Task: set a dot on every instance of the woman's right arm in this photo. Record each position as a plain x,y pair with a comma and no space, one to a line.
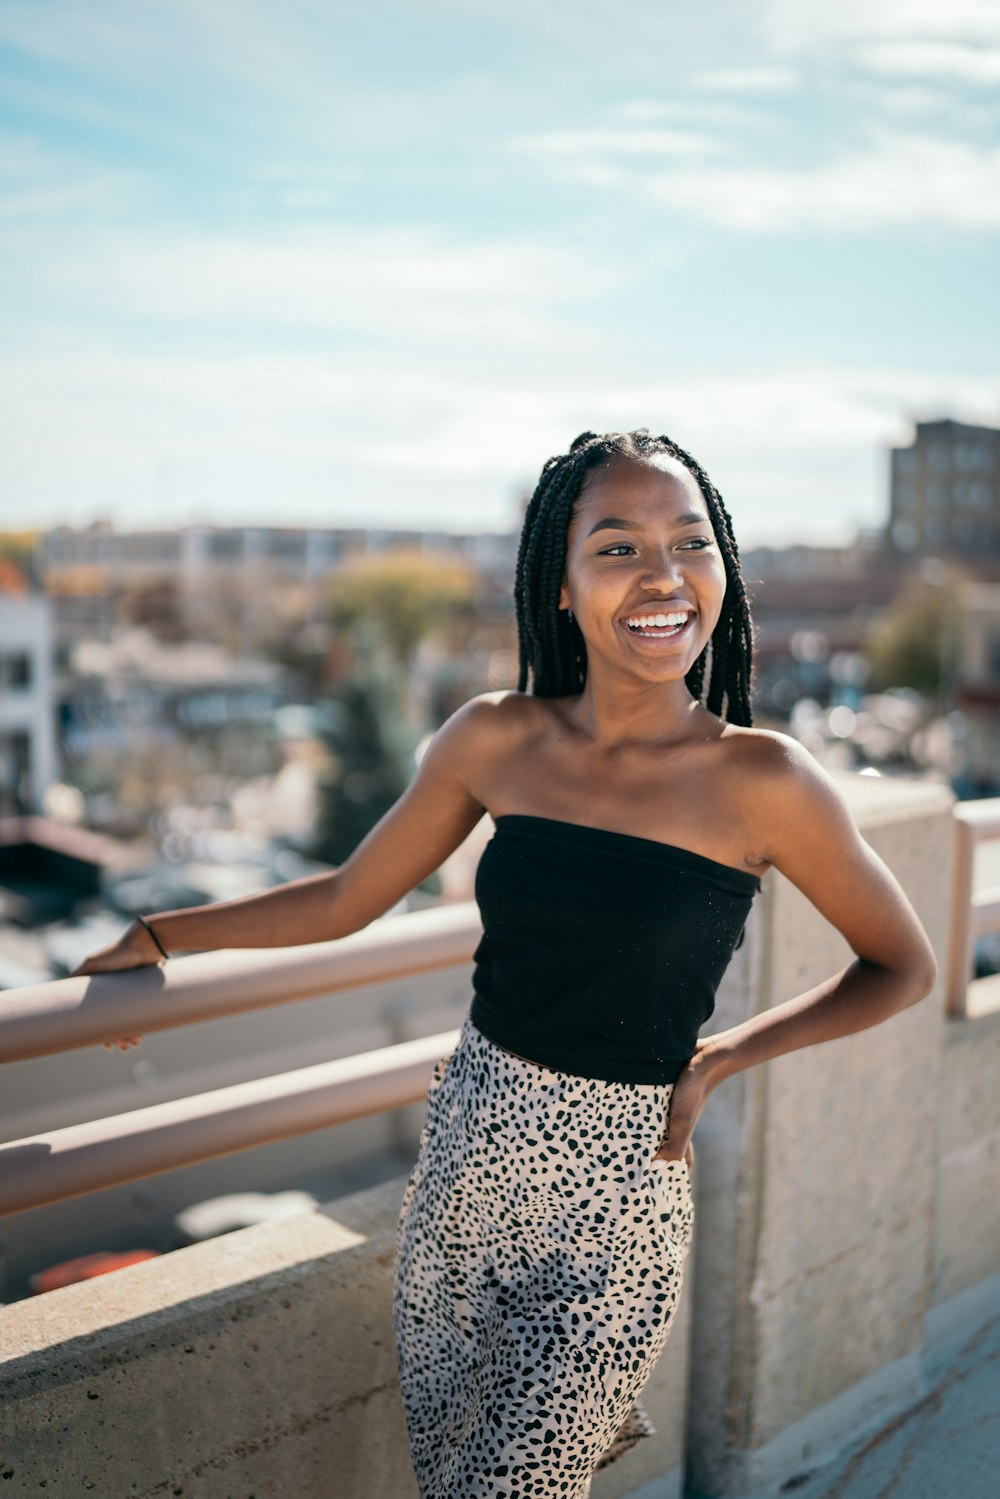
433,817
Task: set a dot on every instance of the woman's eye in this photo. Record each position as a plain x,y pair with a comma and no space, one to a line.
698,542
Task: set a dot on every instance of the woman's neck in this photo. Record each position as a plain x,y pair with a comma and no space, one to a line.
613,717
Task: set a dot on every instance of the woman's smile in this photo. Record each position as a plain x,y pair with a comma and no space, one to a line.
658,628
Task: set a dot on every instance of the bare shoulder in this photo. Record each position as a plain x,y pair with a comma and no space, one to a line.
799,810
487,726
768,752
791,801
805,828
498,714
777,767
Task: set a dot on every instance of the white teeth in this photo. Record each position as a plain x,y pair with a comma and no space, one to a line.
657,621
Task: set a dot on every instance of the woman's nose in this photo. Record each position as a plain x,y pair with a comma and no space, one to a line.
661,564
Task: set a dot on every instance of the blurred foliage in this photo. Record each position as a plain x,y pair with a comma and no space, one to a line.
370,757
916,640
406,592
382,607
18,570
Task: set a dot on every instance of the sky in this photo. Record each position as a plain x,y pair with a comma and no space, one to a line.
328,264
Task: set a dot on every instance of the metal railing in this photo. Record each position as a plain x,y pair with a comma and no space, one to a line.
973,913
41,1019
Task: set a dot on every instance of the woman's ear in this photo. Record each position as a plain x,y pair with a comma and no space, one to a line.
564,594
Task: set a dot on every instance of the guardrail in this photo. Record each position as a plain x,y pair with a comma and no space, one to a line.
88,1157
40,1019
973,913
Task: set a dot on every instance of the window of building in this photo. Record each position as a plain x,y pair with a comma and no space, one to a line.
15,671
15,774
225,544
993,652
937,494
939,458
906,461
906,497
288,544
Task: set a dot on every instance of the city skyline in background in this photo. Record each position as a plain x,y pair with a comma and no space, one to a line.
337,268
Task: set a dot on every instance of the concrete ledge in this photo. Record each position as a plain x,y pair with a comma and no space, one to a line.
260,1365
954,1321
257,1364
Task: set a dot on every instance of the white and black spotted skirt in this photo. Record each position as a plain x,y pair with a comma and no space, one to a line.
540,1254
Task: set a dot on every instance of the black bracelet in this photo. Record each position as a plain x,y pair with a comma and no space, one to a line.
142,920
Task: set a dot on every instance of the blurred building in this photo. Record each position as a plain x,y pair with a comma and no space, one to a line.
945,493
241,584
28,755
136,711
977,689
813,608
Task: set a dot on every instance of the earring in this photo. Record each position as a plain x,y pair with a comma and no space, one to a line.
569,615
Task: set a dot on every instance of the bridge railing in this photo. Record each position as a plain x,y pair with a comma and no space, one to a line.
974,913
40,1019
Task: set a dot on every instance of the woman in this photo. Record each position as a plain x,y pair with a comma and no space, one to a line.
544,1227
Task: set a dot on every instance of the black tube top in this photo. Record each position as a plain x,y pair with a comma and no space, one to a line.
601,952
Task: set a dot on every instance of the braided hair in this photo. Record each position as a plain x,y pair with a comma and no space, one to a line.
551,645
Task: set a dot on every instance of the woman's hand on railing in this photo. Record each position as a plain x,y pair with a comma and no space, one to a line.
135,948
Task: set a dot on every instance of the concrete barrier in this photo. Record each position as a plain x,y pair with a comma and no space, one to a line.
260,1365
817,1177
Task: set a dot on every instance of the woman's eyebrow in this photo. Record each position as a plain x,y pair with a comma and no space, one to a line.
617,523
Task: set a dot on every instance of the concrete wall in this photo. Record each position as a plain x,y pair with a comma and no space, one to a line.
846,1200
816,1188
965,1239
260,1365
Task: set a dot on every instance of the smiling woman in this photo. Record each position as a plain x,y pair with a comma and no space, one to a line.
544,1228
692,526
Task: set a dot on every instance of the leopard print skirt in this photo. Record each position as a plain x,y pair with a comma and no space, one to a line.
539,1259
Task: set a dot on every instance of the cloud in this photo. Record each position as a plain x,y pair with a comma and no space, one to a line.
957,61
764,79
36,182
794,26
584,144
700,110
896,179
327,439
901,180
317,279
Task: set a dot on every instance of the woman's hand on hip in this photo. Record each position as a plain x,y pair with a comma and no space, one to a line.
687,1100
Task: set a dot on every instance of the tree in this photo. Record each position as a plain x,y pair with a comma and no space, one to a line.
401,595
383,606
370,759
915,642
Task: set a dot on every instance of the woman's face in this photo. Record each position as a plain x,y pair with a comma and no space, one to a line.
639,545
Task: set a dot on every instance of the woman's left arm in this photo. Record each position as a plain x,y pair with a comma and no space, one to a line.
809,834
